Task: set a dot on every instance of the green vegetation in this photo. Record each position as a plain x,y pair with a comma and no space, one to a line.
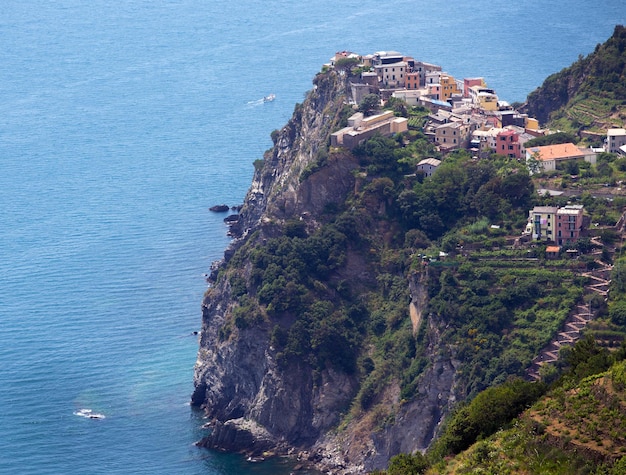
502,315
552,139
577,428
346,64
604,177
334,292
485,414
498,306
589,94
406,464
501,305
525,448
370,104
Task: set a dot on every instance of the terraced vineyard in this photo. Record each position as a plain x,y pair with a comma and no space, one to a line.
594,112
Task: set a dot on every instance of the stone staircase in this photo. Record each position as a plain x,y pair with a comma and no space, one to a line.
599,281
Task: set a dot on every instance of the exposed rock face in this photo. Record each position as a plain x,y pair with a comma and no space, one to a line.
415,423
237,379
418,421
254,403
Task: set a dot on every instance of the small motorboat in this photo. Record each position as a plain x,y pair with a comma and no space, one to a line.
89,414
269,98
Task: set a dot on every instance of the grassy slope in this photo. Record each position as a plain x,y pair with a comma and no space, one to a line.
575,431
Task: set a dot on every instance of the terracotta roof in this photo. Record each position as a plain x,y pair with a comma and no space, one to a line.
558,152
553,248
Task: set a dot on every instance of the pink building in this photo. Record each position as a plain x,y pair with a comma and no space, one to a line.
569,224
508,144
561,226
434,91
469,82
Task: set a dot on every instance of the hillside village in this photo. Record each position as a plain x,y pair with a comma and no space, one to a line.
396,257
463,114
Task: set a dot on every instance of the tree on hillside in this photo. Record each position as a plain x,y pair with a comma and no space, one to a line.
370,104
407,464
490,410
398,106
552,139
346,64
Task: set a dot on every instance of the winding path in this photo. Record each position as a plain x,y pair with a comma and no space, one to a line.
599,281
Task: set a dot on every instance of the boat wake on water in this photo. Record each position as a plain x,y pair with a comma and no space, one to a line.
88,414
258,102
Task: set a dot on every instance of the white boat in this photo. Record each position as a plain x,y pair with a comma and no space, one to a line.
269,98
89,414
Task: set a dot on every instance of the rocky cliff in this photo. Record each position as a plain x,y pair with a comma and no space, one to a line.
257,398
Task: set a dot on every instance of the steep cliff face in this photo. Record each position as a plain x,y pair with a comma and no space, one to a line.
366,444
255,399
237,379
276,191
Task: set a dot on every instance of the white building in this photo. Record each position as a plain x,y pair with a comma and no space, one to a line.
549,156
615,138
428,166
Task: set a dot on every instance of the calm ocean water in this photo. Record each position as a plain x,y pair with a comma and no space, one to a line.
120,124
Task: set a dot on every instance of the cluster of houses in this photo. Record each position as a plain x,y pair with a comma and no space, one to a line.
465,114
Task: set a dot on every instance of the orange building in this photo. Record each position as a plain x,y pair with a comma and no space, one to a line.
448,87
413,80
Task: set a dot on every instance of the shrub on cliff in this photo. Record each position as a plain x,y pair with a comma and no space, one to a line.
488,412
405,464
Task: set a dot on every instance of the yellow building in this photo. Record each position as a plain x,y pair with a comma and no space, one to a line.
361,128
542,223
448,87
484,98
532,123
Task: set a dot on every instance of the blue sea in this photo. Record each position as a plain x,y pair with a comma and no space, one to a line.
121,123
